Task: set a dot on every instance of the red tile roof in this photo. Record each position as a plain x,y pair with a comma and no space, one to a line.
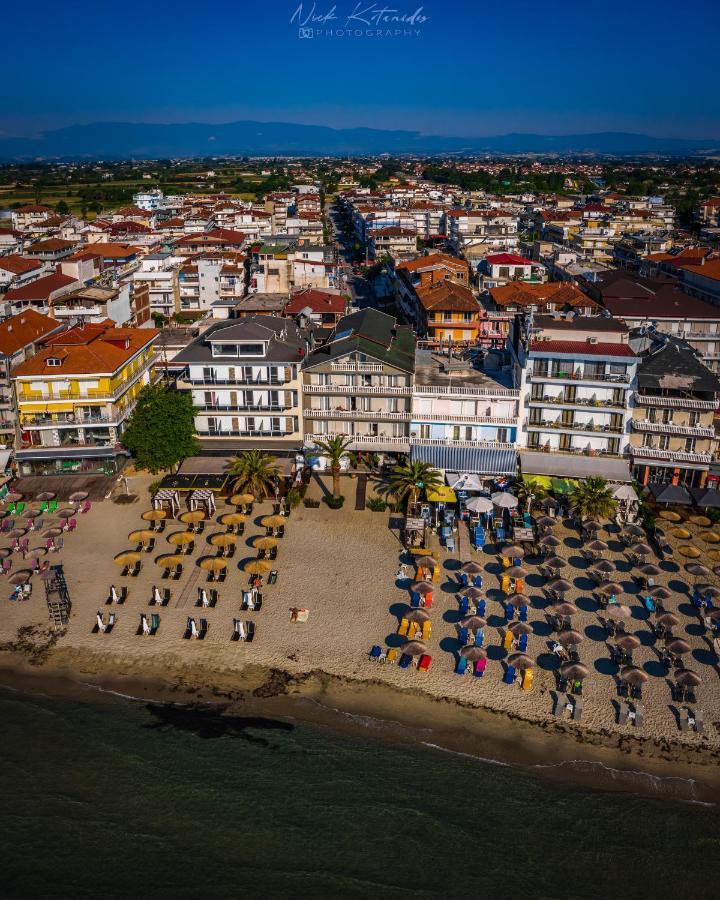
41,289
23,329
18,265
583,348
509,259
318,301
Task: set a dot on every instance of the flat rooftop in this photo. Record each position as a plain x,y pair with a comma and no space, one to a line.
436,369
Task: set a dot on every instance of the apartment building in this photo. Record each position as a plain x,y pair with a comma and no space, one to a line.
398,243
244,378
156,281
25,217
498,269
478,232
449,313
702,280
576,378
17,271
359,384
74,397
325,308
673,438
41,293
708,212
464,413
287,264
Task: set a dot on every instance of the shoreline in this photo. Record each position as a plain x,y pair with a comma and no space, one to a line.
560,751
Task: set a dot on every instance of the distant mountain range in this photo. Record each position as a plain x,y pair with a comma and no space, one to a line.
125,140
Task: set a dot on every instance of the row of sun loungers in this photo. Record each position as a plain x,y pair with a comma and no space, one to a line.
150,625
422,663
243,631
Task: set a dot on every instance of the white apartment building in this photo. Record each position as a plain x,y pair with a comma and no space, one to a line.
158,274
477,232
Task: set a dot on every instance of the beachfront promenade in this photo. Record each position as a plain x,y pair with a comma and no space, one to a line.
342,566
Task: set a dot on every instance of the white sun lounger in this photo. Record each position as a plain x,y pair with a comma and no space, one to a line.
144,623
193,628
114,596
100,622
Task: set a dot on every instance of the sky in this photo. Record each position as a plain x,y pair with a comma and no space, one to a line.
457,67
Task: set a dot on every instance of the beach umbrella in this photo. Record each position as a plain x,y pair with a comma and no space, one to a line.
518,628
545,522
472,593
716,570
423,587
472,568
217,564
417,615
570,638
591,526
473,653
610,587
169,560
77,497
193,516
273,521
154,515
516,572
597,546
517,600
479,505
681,533
618,611
38,551
178,538
710,590
714,615
142,535
574,671
262,543
640,549
427,562
521,661
31,514
710,537
17,532
625,493
549,503
47,495
634,530
697,569
513,552
233,519
564,608
223,539
128,558
670,515
633,675
556,562
650,570
550,541
504,500
604,567
702,521
21,576
660,593
668,619
473,622
678,646
241,499
254,566
689,551
13,497
628,642
559,584
66,512
687,678
414,648
52,532
5,552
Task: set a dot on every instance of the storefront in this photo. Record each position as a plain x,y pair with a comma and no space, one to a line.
70,461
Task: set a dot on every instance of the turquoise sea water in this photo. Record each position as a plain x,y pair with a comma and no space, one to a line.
127,800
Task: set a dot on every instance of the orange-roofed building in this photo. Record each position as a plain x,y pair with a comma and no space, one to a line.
74,397
450,314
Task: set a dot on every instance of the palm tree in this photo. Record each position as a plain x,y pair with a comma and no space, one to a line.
255,471
529,492
593,499
334,449
410,478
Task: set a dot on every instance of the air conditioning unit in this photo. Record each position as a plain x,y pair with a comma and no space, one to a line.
592,340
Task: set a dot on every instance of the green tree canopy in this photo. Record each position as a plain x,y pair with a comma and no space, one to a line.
409,479
593,499
161,430
334,448
254,471
62,209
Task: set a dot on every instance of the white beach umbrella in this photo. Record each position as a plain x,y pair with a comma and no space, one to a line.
479,505
503,500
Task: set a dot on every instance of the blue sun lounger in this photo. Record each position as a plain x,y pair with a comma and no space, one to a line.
649,604
376,652
461,667
523,614
464,581
510,675
481,608
463,636
522,643
479,637
405,661
509,611
477,581
464,606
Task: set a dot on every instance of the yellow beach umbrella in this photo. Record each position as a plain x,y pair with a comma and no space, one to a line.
714,553
670,515
213,564
710,537
241,499
273,521
128,558
154,515
266,543
257,567
223,540
682,533
178,538
702,521
169,560
233,518
689,551
193,515
144,534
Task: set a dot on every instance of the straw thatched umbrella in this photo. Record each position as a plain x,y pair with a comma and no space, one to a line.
565,608
417,615
570,638
634,530
48,495
223,539
17,532
678,646
710,590
66,512
549,541
660,593
154,515
414,648
597,546
178,538
716,570
521,661
128,558
516,572
604,567
472,593
472,568
233,519
633,675
681,533
687,678
255,566
193,516
610,587
573,671
668,619
710,537
52,532
702,521
214,563
618,611
698,570
423,587
262,543
473,653
560,585
242,499
650,570
518,628
641,549
513,552
5,552
591,526
670,515
714,553
141,536
427,562
473,622
549,503
714,615
545,522
689,551
169,561
556,562
13,496
77,496
273,521
517,600
628,642
21,576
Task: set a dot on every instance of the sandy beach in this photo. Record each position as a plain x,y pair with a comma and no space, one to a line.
341,565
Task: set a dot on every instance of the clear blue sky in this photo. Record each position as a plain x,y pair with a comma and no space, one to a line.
476,68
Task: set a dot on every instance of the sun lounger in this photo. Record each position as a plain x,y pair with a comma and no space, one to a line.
509,611
154,624
463,636
426,629
508,639
450,544
190,628
415,601
111,623
405,661
375,653
461,667
522,643
510,675
135,570
238,630
464,606
250,632
519,586
480,667
623,710
523,613
403,627
204,627
683,718
144,624
177,572
477,581
391,656
638,715
527,679
479,637
560,705
505,584
424,663
99,622
578,704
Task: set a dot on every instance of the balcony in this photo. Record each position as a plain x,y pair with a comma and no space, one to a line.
249,407
573,451
577,403
582,427
674,402
69,422
375,441
576,375
671,456
353,389
231,433
350,366
239,382
462,419
359,414
461,391
671,428
442,442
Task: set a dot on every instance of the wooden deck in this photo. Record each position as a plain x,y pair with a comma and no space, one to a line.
97,486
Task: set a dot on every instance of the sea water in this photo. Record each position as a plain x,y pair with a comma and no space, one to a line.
138,800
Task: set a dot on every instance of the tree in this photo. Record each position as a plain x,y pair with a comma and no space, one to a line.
254,471
593,499
410,478
334,448
529,493
161,430
158,319
62,209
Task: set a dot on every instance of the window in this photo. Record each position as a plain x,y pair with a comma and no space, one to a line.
694,419
689,445
664,442
224,349
424,432
502,435
54,361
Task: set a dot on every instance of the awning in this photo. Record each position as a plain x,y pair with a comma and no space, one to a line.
4,459
670,493
466,482
563,485
488,461
569,465
707,498
442,494
69,453
538,481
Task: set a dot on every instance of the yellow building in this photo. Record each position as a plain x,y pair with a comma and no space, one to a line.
74,398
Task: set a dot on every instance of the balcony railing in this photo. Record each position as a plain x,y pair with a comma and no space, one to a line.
578,402
234,433
574,451
463,391
442,442
670,455
240,382
674,402
247,407
475,420
362,439
575,375
354,389
356,367
581,426
671,428
355,414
